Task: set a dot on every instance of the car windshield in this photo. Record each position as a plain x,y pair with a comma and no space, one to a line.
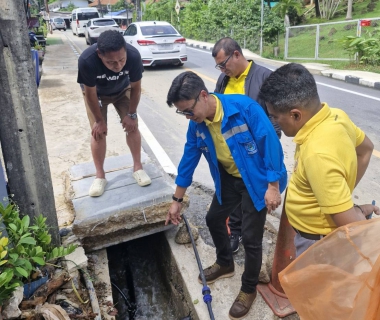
158,30
102,23
87,15
58,20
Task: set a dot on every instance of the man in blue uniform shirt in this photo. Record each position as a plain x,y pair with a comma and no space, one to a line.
246,162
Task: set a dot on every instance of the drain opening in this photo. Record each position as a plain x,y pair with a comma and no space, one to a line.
146,282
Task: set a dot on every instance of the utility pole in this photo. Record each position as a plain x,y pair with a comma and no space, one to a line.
21,128
261,27
138,10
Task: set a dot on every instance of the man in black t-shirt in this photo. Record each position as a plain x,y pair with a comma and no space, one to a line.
110,72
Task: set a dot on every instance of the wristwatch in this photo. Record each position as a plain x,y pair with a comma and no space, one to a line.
133,116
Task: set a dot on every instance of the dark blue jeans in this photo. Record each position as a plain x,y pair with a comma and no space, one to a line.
235,193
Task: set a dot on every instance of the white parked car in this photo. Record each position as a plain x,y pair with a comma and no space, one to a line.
95,27
158,43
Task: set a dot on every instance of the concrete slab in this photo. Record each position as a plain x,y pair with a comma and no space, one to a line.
125,211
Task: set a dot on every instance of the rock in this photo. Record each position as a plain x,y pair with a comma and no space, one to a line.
64,231
332,32
10,308
183,237
75,260
269,246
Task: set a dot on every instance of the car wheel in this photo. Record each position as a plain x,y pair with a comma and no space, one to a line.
64,29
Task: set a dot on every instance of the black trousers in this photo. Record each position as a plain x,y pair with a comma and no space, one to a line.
234,193
235,221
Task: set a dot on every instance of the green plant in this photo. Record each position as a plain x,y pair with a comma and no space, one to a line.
366,47
38,47
27,248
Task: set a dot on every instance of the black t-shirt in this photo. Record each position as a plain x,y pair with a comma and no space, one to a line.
92,72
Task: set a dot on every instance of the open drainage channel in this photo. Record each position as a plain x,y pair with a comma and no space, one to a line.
146,281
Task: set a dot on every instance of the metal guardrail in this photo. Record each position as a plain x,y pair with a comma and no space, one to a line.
319,29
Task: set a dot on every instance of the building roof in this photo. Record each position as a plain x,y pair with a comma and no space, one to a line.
95,3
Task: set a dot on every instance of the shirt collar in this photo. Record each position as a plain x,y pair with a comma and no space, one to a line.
309,126
245,73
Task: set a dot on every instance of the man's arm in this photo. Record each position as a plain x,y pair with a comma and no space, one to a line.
135,96
363,153
175,209
272,196
129,124
100,127
354,214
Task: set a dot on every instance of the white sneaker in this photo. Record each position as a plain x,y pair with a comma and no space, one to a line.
97,187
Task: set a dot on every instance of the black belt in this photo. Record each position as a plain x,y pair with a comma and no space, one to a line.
309,236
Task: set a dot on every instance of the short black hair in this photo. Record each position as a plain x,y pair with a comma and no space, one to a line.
229,46
291,86
186,86
111,41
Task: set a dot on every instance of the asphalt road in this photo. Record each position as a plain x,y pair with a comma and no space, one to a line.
165,132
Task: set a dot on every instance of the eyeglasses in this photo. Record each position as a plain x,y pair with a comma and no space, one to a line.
189,113
223,64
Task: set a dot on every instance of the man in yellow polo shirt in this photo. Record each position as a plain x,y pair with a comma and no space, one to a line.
238,75
332,155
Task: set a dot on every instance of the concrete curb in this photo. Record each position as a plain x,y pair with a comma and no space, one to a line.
366,79
372,80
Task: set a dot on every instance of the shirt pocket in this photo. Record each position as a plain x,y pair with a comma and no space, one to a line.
247,144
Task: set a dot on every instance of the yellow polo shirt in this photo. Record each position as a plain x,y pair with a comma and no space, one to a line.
325,171
236,85
223,153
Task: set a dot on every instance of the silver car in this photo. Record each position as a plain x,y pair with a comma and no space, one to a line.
158,43
58,23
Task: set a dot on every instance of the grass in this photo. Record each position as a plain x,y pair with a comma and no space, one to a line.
53,40
360,11
302,40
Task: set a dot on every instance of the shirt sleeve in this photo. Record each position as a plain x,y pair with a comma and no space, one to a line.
327,179
86,74
360,135
189,160
268,144
136,68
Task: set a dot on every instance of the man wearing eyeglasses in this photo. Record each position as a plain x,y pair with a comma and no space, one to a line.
246,162
243,76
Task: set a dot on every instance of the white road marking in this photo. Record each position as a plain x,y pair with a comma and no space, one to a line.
349,91
158,151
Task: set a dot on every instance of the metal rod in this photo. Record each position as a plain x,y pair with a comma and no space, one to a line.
205,290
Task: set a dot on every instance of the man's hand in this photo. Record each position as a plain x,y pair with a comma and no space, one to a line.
369,208
174,213
272,197
99,129
129,124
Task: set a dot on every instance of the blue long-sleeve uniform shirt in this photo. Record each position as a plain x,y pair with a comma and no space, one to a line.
253,144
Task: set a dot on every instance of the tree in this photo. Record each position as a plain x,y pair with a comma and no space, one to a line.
317,10
283,7
349,10
328,8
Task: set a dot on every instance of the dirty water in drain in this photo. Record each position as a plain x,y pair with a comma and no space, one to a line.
146,284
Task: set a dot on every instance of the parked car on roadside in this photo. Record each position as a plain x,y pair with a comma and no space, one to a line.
80,17
95,27
158,43
58,23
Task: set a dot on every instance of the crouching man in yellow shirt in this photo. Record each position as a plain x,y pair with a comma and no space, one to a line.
332,155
